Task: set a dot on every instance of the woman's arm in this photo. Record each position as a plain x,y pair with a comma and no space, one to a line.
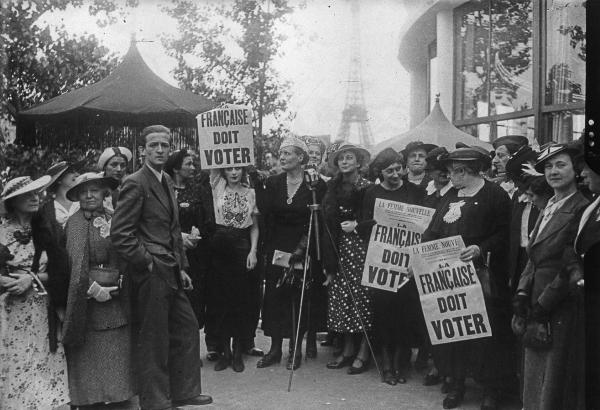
254,231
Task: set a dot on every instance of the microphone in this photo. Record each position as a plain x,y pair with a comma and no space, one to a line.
311,177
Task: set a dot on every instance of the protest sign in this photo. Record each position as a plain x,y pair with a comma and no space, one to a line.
398,226
450,292
225,137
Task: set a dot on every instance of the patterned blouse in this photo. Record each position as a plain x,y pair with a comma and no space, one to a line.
232,208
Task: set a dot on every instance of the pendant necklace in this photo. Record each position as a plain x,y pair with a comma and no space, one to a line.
289,184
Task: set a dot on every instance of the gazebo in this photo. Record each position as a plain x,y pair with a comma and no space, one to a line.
435,129
114,110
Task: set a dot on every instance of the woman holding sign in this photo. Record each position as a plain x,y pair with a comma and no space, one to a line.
479,211
399,331
349,311
546,297
283,201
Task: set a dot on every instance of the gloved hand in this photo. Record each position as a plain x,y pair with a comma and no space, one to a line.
518,325
520,304
101,293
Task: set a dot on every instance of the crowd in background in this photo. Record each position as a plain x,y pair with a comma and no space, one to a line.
527,219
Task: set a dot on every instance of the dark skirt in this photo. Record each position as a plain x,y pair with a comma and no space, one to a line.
398,316
347,297
230,302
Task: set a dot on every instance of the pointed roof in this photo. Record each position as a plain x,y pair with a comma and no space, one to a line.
435,129
132,93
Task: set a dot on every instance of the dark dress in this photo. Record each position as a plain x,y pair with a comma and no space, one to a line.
195,209
350,309
286,225
404,326
483,220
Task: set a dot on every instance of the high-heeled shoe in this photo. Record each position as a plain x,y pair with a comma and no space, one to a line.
346,361
364,364
223,363
297,362
237,364
389,378
269,360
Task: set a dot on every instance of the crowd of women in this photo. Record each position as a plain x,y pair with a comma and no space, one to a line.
527,219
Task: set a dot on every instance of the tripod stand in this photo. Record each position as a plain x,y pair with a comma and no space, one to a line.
315,207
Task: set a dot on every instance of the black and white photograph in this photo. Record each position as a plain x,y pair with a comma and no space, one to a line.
299,204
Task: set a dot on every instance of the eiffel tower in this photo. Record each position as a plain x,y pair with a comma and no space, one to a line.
355,111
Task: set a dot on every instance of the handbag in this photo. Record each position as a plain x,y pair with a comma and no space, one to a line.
538,335
105,276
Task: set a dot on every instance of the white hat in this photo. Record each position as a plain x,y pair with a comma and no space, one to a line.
111,152
22,185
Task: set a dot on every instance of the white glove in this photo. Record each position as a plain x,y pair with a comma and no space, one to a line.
101,293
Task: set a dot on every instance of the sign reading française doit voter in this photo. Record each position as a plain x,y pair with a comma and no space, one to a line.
398,226
450,292
225,137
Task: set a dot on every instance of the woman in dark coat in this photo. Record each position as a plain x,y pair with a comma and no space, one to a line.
197,224
543,296
283,202
350,311
479,211
396,332
96,331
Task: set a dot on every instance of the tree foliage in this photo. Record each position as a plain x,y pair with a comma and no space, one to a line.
38,63
226,52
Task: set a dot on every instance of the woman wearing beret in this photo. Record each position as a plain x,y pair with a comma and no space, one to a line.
399,331
113,163
349,310
479,211
544,299
283,201
96,330
33,369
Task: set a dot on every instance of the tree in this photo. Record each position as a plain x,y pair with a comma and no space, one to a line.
229,56
38,63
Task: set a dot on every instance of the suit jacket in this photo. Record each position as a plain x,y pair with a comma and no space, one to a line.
552,258
145,228
515,263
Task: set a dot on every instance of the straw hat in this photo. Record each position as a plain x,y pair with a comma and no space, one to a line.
57,170
81,180
21,185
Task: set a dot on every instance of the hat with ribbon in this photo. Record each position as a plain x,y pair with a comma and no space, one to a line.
61,168
362,154
83,179
21,185
112,152
551,150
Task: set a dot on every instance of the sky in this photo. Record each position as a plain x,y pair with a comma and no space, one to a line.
316,58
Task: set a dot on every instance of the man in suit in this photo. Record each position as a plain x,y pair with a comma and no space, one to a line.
146,233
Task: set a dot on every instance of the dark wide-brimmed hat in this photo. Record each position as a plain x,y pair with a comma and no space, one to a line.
83,179
511,142
362,154
414,145
551,150
433,159
61,168
467,154
514,166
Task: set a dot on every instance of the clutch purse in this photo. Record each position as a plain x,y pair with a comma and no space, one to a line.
105,276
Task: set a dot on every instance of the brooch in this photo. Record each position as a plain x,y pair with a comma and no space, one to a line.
104,225
184,205
453,213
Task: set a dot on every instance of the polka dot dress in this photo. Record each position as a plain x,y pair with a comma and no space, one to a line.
342,314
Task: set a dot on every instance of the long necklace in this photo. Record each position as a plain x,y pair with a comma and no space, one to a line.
289,183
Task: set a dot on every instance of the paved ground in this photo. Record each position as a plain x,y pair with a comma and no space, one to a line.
316,387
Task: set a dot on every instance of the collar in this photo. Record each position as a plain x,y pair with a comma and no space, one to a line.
157,174
471,191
